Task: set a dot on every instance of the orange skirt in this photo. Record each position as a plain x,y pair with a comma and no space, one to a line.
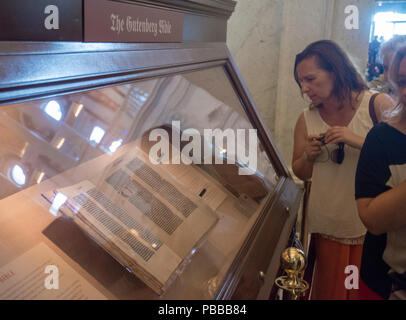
329,273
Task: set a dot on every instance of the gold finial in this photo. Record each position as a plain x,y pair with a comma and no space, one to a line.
293,262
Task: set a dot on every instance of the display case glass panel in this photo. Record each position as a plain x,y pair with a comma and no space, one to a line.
165,174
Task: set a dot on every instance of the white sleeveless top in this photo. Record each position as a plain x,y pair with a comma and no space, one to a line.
332,206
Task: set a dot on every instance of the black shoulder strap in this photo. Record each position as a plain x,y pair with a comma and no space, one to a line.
372,113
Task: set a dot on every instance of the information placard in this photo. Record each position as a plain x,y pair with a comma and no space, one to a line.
108,21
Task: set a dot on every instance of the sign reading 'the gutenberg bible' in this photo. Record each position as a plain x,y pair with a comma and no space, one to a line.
108,21
41,20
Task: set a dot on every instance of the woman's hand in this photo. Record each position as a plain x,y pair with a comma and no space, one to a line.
336,134
313,148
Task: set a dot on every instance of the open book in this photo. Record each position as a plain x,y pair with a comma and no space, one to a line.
143,216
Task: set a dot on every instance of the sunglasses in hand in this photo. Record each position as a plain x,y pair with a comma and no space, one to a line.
337,155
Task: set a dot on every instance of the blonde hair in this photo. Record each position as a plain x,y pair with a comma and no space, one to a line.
397,60
392,45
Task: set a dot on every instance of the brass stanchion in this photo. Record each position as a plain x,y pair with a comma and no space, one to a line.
303,230
293,262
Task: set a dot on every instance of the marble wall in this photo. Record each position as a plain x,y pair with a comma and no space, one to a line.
254,36
264,37
354,42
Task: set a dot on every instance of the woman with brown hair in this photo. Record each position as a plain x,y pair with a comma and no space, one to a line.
381,181
327,141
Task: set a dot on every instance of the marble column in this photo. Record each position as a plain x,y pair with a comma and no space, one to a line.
254,35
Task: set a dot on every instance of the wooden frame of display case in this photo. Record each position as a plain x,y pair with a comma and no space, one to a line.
34,70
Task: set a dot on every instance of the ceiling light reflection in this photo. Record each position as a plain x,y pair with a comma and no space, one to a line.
97,134
24,149
115,145
53,109
18,175
79,108
40,177
59,200
60,143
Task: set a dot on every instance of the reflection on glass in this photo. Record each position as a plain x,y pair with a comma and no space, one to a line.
40,177
115,144
59,200
18,175
53,109
102,121
60,143
24,149
97,130
79,108
97,134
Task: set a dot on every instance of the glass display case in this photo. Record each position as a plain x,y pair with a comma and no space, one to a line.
138,171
